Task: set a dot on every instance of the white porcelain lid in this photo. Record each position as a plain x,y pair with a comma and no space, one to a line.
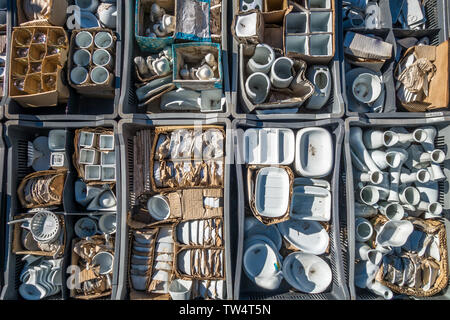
307,236
307,272
272,192
269,146
311,203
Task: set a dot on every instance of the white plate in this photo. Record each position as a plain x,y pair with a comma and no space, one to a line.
194,231
201,228
311,203
184,262
272,192
307,236
314,152
165,235
183,232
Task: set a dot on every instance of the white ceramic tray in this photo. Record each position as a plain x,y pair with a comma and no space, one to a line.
314,152
272,192
269,146
311,203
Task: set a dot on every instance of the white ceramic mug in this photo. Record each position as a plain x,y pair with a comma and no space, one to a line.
79,75
84,39
103,40
81,57
99,75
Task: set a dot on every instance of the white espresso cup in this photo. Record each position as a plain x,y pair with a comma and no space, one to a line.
103,40
81,57
103,58
79,75
84,39
99,75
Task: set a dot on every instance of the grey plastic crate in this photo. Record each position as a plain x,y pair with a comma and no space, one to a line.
2,206
78,107
128,104
127,129
335,105
437,29
243,287
442,141
18,133
7,32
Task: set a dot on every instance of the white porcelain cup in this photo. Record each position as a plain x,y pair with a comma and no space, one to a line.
158,207
99,75
85,227
105,260
107,223
84,39
81,57
103,40
79,75
103,58
180,289
366,88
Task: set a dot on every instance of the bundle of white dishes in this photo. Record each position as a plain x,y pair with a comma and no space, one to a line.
40,277
303,269
397,172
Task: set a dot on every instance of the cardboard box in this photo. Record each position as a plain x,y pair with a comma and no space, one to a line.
312,37
192,54
438,89
90,89
142,20
36,91
56,13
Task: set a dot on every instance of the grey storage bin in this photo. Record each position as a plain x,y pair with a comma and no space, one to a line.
18,133
78,107
7,32
2,206
243,287
127,129
437,30
334,108
442,141
128,103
